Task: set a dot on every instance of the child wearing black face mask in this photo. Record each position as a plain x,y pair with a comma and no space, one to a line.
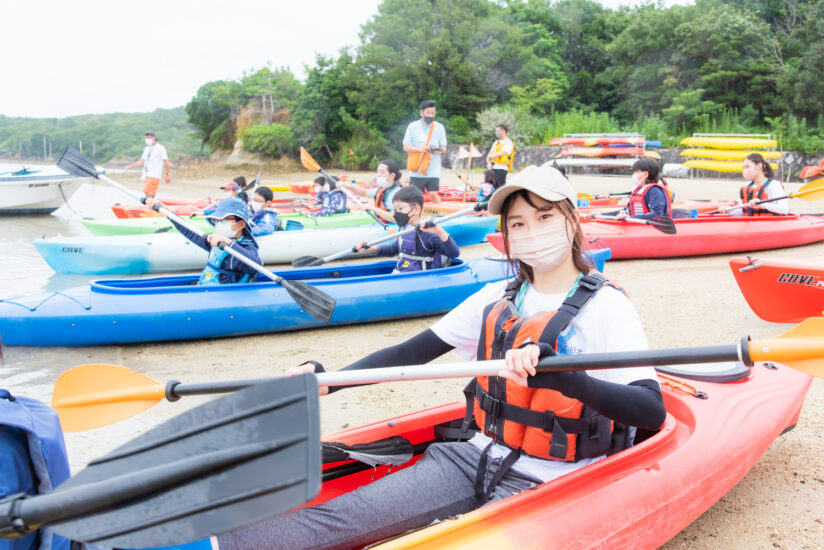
426,248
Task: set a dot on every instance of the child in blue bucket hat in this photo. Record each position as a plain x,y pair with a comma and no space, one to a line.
232,222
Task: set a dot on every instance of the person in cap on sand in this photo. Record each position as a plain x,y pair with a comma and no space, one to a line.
544,426
154,161
231,220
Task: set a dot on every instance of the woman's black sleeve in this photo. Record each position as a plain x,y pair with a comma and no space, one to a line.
636,404
421,348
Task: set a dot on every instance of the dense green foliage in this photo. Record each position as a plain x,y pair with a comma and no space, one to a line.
114,135
544,68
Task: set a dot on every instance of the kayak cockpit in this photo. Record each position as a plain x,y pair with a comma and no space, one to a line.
320,274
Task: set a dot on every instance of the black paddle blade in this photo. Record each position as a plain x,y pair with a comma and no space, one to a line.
306,261
316,303
77,164
226,464
663,224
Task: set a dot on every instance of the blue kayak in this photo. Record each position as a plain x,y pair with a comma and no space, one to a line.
119,311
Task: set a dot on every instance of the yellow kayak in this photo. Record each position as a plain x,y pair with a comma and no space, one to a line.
720,165
729,142
278,187
719,154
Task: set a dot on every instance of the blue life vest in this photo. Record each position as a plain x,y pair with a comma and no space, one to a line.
410,259
333,202
211,273
32,460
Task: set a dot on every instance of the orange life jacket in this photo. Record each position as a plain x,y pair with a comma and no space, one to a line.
379,196
637,205
539,422
749,192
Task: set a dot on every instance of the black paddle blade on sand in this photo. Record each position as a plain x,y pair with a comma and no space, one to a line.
77,164
226,464
316,303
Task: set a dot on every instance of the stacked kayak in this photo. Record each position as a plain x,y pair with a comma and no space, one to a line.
141,226
638,498
781,291
177,308
159,252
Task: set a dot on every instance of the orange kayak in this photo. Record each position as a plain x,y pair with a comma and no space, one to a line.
638,498
781,291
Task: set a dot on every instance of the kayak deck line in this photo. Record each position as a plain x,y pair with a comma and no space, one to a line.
47,298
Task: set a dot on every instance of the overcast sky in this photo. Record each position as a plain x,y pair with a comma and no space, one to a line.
62,58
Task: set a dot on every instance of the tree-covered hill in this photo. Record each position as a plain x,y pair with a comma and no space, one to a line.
112,135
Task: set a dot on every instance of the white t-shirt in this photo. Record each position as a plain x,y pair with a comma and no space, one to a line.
153,157
608,322
774,189
416,134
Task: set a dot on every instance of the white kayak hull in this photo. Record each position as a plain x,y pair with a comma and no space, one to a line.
35,189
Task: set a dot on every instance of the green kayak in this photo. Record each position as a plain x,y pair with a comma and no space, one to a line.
138,226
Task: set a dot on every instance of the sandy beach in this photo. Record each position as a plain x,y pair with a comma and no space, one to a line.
681,302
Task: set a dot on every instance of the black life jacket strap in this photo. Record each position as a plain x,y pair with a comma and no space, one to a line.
483,492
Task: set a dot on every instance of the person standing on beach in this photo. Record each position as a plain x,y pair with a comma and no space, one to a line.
500,156
425,142
155,162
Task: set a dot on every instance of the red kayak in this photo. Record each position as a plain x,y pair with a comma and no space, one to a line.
590,141
284,206
638,498
781,291
703,235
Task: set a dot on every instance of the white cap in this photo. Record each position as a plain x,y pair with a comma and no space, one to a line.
546,182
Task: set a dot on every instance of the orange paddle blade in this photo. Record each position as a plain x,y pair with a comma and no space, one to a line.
812,191
800,348
307,161
95,395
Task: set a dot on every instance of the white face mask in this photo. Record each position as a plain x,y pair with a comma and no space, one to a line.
545,248
637,179
382,181
149,141
498,134
256,206
224,229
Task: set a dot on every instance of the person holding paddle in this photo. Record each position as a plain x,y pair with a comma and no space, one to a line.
389,183
761,184
232,229
531,428
650,198
426,248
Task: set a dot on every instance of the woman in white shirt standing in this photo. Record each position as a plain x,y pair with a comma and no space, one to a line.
532,427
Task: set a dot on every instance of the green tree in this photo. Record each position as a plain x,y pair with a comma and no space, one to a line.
275,140
316,120
729,48
212,112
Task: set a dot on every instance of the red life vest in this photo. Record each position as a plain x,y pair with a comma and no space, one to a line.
539,422
749,192
637,203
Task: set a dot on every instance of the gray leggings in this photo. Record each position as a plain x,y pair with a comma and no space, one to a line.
437,487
